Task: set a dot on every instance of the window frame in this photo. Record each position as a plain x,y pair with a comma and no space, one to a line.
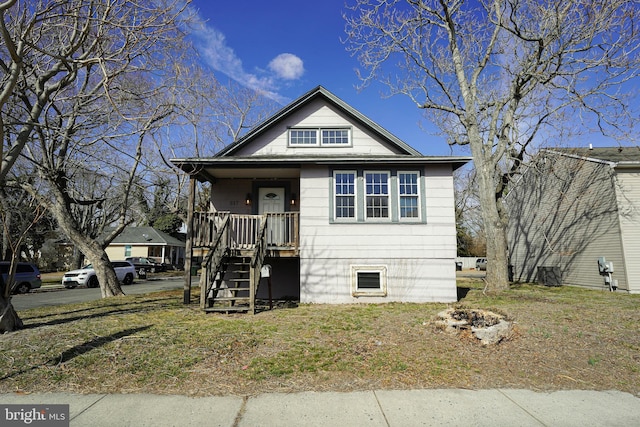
394,197
290,135
387,195
380,291
337,218
417,218
319,137
335,144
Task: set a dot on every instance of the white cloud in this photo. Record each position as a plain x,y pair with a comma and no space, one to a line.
218,55
287,66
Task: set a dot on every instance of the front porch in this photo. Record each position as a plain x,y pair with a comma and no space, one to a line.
234,249
244,231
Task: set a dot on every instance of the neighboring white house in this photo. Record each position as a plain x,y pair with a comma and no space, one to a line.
572,208
350,212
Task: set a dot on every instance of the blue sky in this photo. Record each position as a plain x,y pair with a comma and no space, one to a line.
288,47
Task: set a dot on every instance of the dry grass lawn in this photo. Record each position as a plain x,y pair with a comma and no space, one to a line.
565,338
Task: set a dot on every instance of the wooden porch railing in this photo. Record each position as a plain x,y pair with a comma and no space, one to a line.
281,230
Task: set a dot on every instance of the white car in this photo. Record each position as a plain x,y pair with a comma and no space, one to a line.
86,276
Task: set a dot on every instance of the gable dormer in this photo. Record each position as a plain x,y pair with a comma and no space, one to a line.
318,123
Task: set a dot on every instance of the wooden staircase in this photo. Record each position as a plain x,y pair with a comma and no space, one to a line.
231,289
236,246
231,271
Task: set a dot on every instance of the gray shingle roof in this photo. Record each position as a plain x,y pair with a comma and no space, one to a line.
147,236
608,154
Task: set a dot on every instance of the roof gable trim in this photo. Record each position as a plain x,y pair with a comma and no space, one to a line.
319,91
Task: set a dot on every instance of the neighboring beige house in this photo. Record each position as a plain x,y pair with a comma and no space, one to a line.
342,210
573,207
147,242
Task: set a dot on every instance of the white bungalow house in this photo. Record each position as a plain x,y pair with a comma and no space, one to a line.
339,208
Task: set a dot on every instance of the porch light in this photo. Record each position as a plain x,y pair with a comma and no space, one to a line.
293,199
247,200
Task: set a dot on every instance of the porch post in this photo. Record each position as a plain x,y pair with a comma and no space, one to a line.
189,243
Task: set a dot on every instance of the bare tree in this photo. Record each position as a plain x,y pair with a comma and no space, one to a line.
470,231
9,319
85,85
18,215
502,75
211,116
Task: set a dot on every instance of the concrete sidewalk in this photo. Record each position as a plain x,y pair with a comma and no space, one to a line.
450,407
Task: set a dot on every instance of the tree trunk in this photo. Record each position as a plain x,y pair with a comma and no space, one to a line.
9,319
109,284
497,279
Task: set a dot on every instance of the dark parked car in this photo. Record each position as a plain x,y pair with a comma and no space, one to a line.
27,276
146,265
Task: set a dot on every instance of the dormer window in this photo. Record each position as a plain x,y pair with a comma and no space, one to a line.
335,137
303,137
299,137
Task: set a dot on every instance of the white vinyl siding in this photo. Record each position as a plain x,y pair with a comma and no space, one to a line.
418,256
628,196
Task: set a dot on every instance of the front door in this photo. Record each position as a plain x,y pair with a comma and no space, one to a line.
271,200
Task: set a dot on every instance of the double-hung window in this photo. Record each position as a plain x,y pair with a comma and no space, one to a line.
345,195
408,195
377,194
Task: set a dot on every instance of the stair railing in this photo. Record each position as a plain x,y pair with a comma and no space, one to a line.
260,252
212,262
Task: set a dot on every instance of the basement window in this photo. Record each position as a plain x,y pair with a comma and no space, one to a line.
370,281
